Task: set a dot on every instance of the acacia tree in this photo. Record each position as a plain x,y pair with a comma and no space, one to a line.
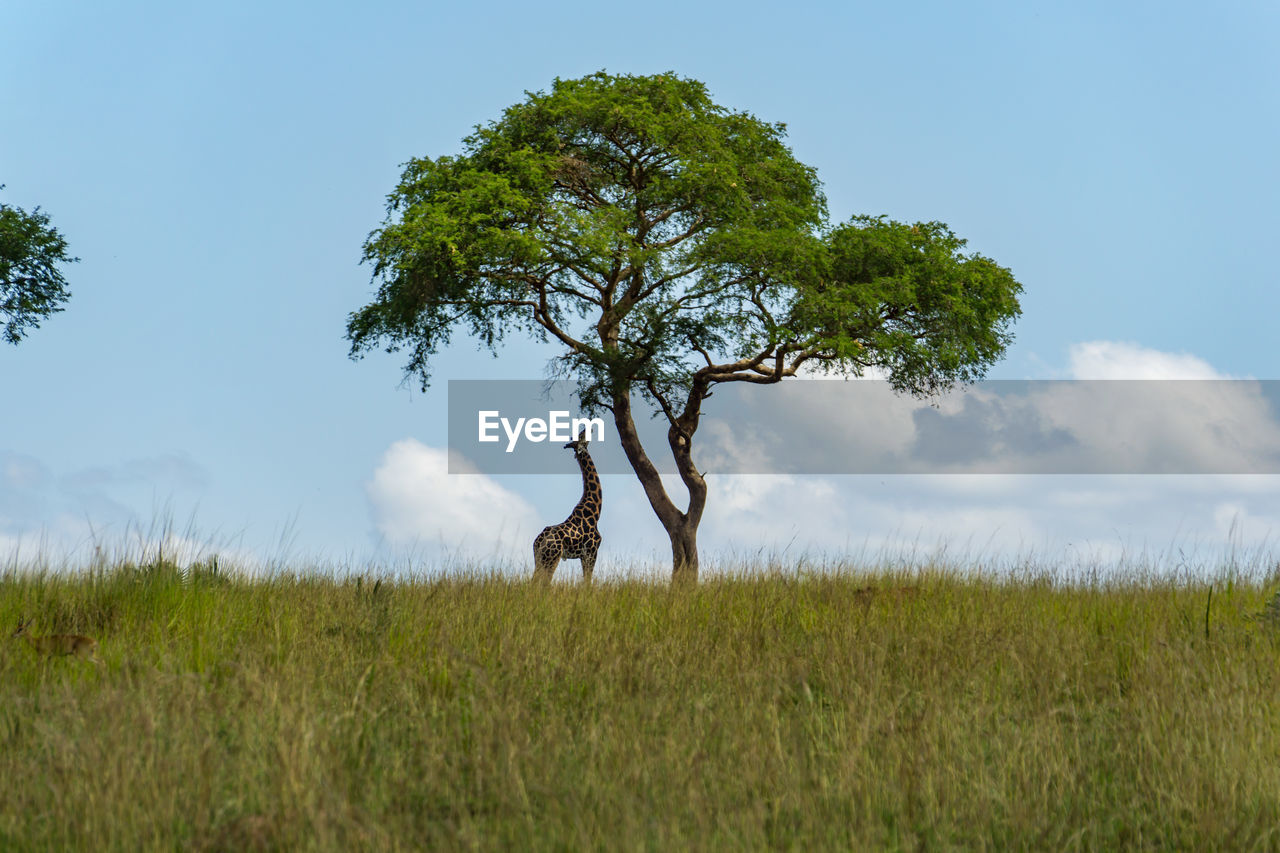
31,285
668,244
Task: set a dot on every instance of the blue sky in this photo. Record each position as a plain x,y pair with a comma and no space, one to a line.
217,169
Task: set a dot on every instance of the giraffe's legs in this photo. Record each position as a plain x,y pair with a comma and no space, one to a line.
543,573
588,565
547,551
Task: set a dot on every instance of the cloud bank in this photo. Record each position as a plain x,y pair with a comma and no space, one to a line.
1183,520
417,504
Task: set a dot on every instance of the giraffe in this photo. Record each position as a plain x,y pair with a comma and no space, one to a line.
577,537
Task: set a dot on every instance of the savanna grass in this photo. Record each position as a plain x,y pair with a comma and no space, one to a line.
770,711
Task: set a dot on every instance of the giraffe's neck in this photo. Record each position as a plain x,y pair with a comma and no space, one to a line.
592,496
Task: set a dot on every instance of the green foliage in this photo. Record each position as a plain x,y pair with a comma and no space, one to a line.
904,298
654,234
31,285
768,711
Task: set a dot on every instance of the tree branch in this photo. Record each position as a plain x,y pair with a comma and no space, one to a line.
652,387
702,351
693,229
542,316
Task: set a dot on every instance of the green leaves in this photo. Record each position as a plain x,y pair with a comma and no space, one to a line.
31,285
667,241
906,298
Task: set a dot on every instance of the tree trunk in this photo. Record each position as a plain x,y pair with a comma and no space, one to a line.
681,527
684,553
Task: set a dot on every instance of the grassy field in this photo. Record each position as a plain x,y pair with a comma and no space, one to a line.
922,711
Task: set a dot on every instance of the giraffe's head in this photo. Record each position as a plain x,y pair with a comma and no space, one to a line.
578,445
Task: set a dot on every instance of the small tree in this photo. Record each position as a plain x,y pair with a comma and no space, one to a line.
669,245
31,285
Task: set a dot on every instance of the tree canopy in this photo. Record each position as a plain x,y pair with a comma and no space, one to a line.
668,244
31,284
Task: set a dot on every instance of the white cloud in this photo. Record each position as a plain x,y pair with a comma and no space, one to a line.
1170,523
816,370
1125,360
775,509
1236,523
1063,521
417,502
1063,524
736,446
1145,425
1162,425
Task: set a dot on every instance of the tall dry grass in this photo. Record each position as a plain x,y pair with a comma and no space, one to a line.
835,711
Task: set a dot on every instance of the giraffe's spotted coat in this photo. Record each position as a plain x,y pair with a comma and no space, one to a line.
577,537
